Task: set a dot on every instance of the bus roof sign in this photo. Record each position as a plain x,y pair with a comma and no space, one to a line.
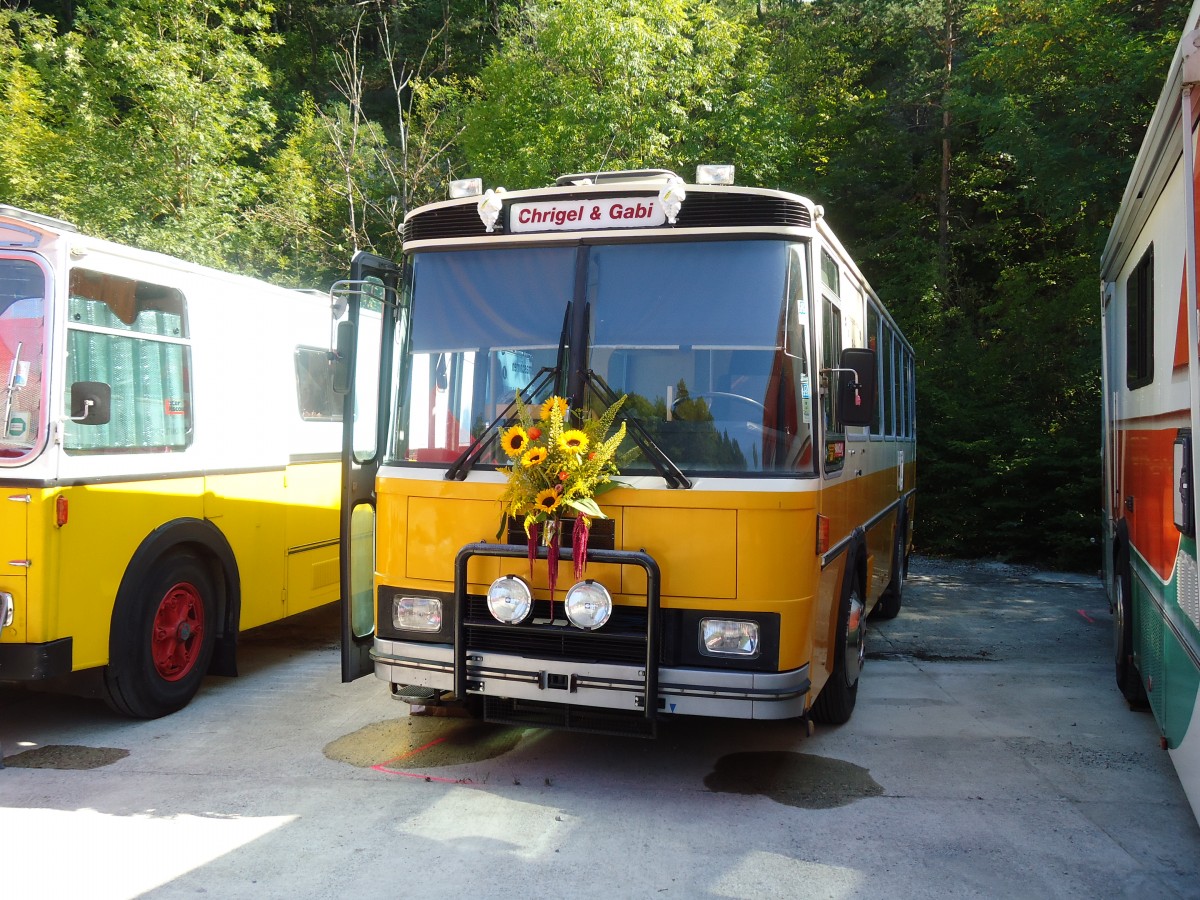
581,214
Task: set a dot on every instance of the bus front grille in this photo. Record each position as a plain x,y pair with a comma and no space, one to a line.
726,210
621,640
446,222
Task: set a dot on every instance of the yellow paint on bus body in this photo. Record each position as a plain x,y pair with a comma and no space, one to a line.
280,535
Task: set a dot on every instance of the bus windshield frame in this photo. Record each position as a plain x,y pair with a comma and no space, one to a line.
709,340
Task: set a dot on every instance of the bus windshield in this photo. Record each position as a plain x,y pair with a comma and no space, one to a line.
22,332
707,339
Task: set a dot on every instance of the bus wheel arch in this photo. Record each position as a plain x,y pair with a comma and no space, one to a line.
892,597
835,704
174,620
1129,679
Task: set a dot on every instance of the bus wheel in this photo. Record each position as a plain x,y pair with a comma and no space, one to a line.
892,597
1129,680
835,703
163,634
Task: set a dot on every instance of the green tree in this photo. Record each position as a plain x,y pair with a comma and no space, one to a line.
1058,95
158,117
580,85
971,155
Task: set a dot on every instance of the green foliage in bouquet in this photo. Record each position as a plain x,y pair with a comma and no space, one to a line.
557,470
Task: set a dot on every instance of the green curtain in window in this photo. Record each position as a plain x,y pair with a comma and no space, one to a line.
150,407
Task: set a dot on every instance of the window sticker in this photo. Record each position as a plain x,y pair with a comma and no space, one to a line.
18,424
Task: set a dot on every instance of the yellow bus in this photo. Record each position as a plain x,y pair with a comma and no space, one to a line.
169,473
764,507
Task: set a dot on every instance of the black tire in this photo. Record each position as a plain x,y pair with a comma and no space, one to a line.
163,632
1129,680
892,597
835,703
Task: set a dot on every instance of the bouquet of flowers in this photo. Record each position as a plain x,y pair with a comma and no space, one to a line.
557,471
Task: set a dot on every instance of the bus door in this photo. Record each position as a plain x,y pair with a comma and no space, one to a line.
370,319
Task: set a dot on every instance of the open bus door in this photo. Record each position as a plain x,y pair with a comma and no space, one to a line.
368,309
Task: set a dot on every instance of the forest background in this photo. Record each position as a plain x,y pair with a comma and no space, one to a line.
971,155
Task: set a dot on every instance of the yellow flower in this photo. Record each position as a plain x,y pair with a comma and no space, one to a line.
549,406
514,440
547,500
534,457
573,441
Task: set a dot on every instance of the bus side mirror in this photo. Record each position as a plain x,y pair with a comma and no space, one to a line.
856,395
91,403
340,357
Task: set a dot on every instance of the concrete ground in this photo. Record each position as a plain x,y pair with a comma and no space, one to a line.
990,755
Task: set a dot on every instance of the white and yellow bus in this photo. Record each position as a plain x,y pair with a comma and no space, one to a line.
769,504
169,442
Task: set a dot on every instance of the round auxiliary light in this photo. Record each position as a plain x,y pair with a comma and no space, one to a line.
510,600
588,605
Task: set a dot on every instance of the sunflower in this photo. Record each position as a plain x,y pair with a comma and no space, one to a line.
534,457
573,441
514,440
549,406
547,500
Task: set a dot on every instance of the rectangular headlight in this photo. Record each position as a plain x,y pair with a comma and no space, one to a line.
729,637
6,609
417,613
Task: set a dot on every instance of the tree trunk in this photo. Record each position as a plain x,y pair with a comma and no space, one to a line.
944,186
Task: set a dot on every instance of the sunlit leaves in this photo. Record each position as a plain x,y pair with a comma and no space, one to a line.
580,85
157,113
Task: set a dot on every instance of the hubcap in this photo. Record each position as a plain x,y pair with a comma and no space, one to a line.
856,644
178,632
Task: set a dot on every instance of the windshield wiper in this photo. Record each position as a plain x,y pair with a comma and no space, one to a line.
11,387
462,466
636,430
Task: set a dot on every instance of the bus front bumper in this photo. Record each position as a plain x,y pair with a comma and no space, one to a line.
720,693
35,662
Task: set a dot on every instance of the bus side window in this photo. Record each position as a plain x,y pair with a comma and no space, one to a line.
910,391
132,336
1139,323
873,344
835,438
889,382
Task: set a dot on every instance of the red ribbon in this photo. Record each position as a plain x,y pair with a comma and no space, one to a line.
579,540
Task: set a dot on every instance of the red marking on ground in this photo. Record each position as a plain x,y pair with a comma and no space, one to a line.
413,752
1086,616
386,771
384,767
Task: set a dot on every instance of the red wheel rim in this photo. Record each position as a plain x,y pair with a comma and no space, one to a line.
178,632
